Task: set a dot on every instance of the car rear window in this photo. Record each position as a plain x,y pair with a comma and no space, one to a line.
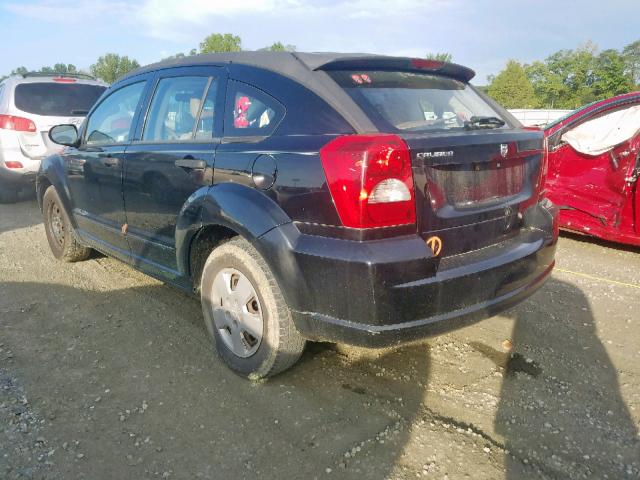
413,102
57,99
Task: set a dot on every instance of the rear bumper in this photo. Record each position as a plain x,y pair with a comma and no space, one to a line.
17,177
388,292
502,289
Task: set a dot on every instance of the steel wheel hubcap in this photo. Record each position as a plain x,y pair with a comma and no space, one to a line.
57,225
237,313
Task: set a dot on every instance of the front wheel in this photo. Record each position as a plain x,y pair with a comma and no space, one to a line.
60,234
246,314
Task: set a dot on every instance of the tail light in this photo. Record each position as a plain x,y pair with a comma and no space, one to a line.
370,180
13,164
64,80
19,124
426,63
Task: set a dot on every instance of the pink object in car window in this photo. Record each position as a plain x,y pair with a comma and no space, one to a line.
240,112
121,124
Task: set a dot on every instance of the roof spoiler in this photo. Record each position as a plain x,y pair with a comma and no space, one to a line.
381,62
78,75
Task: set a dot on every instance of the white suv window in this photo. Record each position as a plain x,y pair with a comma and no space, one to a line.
111,122
56,99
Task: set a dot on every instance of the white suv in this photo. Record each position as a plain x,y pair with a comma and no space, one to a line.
30,105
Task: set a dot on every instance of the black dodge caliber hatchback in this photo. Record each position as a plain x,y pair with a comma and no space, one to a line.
351,198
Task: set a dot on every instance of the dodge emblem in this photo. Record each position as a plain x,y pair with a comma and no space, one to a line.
504,150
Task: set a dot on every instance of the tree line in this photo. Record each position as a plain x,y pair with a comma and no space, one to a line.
111,66
568,79
565,79
227,42
108,67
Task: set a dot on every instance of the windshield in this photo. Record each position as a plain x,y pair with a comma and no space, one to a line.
57,99
570,114
416,102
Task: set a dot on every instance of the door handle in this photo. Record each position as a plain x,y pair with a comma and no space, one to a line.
191,163
110,162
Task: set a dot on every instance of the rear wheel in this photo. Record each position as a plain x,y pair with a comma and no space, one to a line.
246,314
60,234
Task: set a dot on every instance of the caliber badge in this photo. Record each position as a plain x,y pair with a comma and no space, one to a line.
435,244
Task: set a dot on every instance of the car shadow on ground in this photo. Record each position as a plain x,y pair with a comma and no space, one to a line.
32,218
167,404
578,237
561,409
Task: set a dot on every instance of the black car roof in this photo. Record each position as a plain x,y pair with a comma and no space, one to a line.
309,69
292,62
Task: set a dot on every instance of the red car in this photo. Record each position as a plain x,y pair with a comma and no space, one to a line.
593,161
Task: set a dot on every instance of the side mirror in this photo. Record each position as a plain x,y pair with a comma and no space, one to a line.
66,135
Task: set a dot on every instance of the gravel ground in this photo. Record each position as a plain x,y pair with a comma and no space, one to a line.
106,373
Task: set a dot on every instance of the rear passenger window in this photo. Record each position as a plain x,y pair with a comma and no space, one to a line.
250,111
180,111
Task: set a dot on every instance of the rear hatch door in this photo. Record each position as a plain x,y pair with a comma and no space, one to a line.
48,103
472,186
475,169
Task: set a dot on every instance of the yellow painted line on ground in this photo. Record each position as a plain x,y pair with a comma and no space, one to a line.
593,277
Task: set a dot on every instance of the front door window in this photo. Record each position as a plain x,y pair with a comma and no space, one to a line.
111,122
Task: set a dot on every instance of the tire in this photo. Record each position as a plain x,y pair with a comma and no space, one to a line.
248,350
61,236
8,194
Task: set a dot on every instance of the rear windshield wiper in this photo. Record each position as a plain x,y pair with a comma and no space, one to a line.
79,112
483,122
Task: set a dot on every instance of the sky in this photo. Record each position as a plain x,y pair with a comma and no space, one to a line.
481,34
